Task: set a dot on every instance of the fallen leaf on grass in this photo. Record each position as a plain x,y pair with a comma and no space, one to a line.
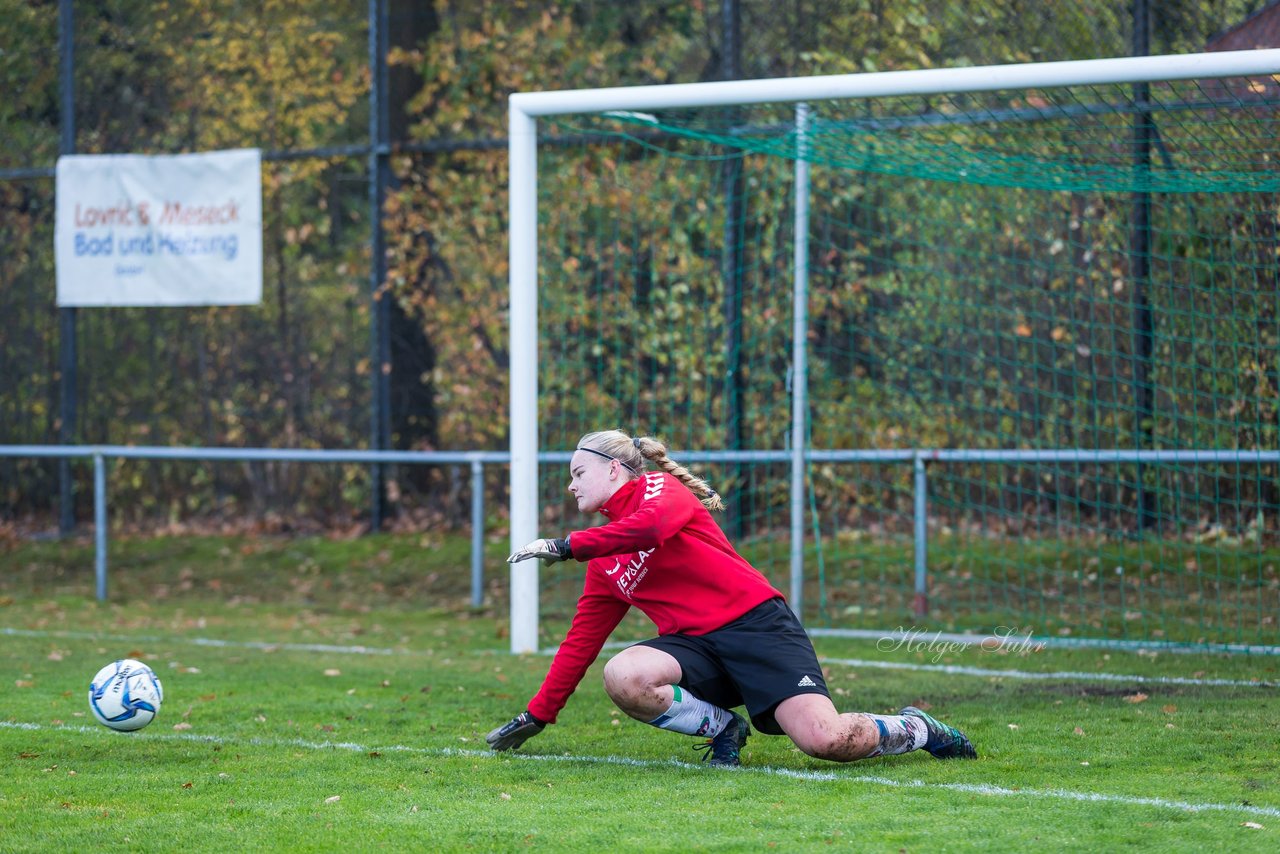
1078,731
1252,824
1013,726
333,671
1136,698
505,796
333,799
181,725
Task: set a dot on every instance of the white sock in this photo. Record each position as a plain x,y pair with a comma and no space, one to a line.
692,716
899,734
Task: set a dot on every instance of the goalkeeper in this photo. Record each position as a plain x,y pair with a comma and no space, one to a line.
726,637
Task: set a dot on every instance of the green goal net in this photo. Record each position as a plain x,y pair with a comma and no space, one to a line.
1070,291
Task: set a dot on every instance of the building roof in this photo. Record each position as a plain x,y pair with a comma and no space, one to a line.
1258,31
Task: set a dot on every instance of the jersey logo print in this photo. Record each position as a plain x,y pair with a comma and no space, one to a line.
636,571
653,484
617,565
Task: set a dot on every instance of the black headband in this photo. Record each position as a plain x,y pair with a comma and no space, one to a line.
607,457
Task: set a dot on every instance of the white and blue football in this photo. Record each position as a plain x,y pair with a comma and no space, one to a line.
125,695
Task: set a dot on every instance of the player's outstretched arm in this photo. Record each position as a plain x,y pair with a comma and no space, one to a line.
515,732
549,550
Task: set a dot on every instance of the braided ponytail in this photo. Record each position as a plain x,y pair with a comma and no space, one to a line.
632,453
652,449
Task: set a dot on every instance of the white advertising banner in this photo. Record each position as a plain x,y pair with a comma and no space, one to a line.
135,230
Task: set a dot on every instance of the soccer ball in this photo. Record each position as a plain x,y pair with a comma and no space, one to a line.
125,695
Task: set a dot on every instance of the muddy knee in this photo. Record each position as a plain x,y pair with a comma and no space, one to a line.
846,740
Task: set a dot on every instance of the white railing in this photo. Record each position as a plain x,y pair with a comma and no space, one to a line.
477,460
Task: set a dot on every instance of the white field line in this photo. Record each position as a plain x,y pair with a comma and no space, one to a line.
199,641
1061,675
1028,641
788,773
948,669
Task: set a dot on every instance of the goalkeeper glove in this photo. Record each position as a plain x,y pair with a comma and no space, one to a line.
548,550
516,732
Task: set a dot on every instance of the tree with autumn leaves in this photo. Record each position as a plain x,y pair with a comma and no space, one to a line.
293,77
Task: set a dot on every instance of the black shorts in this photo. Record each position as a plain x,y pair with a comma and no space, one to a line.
757,661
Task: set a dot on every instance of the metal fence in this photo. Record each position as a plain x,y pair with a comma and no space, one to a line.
918,459
312,373
59,377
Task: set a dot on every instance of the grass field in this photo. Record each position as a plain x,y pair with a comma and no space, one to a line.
325,695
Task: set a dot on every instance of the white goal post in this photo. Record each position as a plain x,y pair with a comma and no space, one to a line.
525,108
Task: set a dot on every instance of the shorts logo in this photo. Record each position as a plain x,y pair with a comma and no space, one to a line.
806,682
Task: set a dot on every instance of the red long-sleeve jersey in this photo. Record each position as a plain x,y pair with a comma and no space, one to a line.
662,553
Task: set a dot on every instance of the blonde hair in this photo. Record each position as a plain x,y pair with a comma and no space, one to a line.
632,453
